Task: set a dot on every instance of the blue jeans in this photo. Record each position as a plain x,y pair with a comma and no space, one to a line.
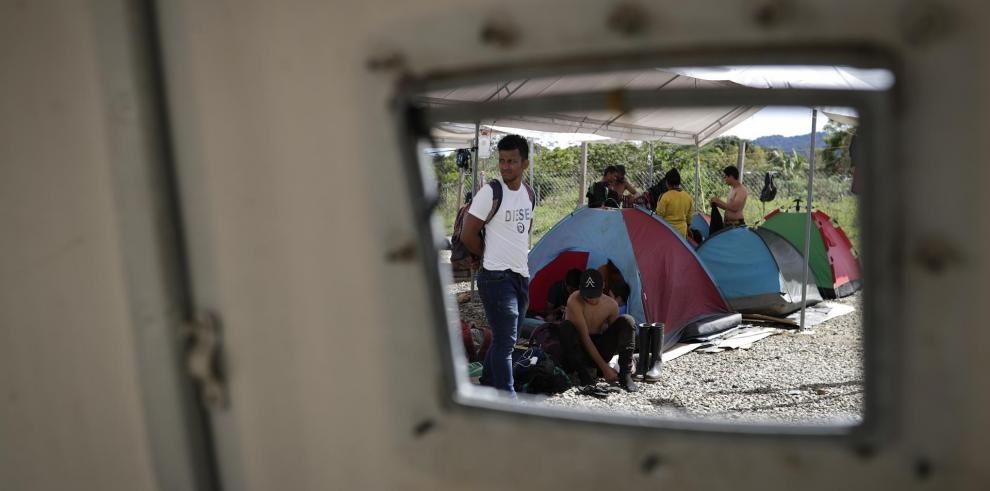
505,296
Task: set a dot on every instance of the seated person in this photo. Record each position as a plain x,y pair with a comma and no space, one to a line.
620,293
675,206
559,293
593,332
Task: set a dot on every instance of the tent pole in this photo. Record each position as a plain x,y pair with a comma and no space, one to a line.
584,174
474,179
697,172
807,222
741,160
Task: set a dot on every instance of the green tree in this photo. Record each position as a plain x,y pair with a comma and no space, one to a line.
834,157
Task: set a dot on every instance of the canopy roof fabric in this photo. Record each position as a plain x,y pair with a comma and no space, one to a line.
683,126
831,260
666,280
758,271
799,77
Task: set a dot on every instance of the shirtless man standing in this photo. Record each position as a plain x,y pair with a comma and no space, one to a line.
593,332
621,186
736,201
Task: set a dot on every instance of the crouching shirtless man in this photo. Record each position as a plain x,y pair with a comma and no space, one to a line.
593,332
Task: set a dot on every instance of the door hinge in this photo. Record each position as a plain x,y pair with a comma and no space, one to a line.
204,360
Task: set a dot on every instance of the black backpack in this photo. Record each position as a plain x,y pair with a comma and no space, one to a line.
599,195
460,256
769,191
654,193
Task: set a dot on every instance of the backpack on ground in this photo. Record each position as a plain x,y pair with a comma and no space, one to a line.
546,336
534,372
769,191
461,258
476,341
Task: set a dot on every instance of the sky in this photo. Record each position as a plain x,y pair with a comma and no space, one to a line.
784,121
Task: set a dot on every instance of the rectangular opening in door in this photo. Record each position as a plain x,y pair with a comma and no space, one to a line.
667,245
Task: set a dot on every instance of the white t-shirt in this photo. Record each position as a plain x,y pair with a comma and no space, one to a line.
507,235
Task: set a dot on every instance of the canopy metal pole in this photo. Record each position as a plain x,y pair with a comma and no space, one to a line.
584,174
474,159
532,180
741,160
697,173
807,223
649,158
474,180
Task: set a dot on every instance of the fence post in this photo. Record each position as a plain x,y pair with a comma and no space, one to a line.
584,174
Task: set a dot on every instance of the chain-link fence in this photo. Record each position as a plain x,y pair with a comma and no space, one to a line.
560,193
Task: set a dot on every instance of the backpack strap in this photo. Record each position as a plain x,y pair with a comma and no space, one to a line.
532,195
496,199
532,201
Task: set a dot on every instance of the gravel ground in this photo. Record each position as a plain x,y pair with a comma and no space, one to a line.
815,376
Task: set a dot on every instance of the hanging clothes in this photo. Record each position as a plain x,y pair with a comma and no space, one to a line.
716,224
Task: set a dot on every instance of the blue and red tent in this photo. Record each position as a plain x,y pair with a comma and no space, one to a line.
667,281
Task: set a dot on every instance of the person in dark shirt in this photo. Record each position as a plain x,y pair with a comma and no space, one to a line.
559,293
600,194
620,292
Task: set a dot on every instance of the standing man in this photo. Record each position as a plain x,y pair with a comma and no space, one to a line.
593,332
503,242
736,201
621,186
600,193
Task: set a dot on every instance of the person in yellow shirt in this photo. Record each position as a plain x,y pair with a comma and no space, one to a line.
675,206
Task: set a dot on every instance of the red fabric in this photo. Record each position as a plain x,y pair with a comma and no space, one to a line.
676,288
539,285
845,267
772,213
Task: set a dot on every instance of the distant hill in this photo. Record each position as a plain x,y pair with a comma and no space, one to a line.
788,143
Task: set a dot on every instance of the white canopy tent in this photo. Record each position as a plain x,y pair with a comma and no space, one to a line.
683,126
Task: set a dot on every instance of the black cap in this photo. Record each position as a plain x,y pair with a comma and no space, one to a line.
591,284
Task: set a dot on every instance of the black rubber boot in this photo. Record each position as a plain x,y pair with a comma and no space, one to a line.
643,364
656,360
626,381
627,344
